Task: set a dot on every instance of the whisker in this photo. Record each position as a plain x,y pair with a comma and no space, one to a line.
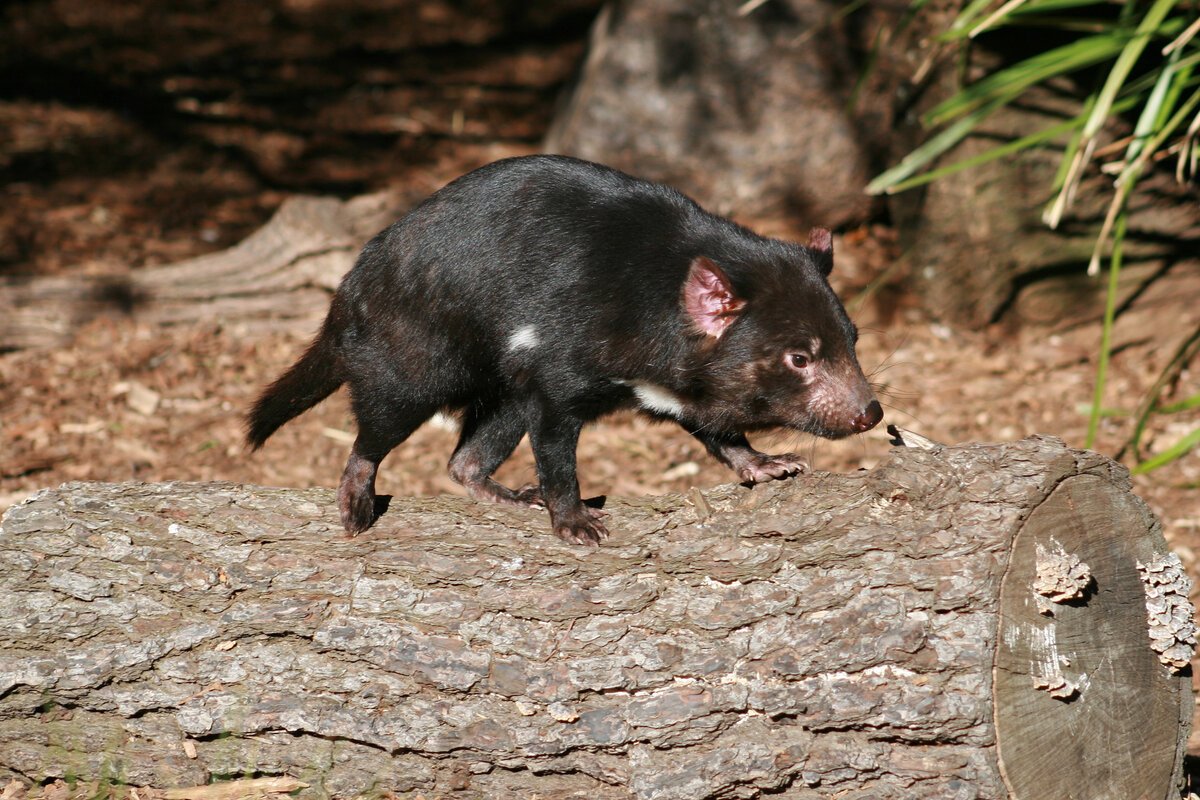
904,412
903,341
884,367
892,392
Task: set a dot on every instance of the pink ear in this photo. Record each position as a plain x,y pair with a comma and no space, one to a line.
709,299
821,240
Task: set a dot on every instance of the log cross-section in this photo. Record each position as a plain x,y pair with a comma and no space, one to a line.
959,622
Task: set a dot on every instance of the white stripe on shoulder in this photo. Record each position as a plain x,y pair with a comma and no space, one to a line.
655,398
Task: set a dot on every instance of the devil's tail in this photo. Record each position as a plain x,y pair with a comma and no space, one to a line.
310,380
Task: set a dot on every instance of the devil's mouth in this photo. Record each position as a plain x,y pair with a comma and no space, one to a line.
822,429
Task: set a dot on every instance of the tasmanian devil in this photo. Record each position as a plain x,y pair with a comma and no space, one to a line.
536,294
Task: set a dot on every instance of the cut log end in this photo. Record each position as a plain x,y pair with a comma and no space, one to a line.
1085,705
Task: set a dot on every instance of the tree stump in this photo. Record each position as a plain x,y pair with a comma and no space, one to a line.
977,621
742,108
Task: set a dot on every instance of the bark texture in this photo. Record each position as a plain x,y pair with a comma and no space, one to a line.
960,622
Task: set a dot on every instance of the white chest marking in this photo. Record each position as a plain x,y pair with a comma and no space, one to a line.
656,398
523,339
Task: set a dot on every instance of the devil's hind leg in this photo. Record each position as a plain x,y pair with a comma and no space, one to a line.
491,430
381,427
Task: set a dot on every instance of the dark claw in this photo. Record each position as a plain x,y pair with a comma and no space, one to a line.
357,511
356,494
487,489
531,495
586,531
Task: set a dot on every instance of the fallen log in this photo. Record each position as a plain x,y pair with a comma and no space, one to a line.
977,621
283,274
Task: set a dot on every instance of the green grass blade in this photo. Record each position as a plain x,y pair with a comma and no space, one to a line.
1016,146
1183,80
1110,312
1142,85
1187,404
1061,24
965,24
897,180
1035,69
1106,413
1187,350
1042,6
997,17
1132,170
1156,107
1070,168
933,148
1150,22
1175,451
1101,110
962,23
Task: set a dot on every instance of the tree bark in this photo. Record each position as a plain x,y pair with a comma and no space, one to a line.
978,621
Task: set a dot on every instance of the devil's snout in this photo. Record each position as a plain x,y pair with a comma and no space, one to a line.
869,418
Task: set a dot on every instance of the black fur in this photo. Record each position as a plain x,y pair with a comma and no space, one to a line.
536,294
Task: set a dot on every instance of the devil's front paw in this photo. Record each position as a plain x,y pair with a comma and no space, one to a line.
763,467
581,526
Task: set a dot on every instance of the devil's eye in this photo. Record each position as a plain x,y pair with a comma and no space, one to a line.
798,360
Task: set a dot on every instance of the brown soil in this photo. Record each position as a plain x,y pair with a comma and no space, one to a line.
153,147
